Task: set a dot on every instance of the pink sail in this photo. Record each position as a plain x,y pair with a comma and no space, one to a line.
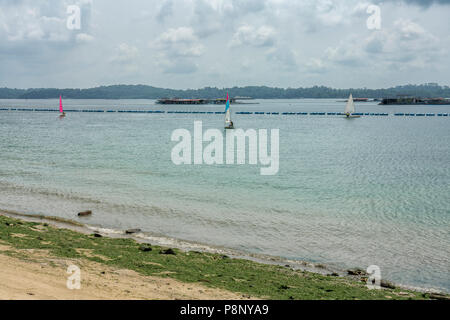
60,105
228,103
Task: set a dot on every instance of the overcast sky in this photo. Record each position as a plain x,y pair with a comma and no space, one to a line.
224,43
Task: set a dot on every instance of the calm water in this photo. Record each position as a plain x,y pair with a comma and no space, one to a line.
374,190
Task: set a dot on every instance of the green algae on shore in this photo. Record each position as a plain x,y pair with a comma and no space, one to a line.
213,270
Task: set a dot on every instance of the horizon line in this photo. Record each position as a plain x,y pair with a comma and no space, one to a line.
225,88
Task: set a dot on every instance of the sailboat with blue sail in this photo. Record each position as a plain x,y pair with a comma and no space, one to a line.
228,123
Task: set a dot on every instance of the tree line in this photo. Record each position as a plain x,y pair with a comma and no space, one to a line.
430,90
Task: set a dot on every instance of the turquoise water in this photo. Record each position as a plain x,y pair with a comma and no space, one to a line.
374,190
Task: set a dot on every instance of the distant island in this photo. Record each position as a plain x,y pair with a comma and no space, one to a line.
428,90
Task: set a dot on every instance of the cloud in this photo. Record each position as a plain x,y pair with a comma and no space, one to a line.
315,65
212,16
28,24
31,21
404,45
311,15
177,49
408,45
125,54
207,18
179,66
423,3
246,35
84,37
126,58
242,41
408,30
283,56
181,42
165,10
348,53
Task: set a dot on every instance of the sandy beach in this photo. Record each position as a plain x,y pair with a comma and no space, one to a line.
42,277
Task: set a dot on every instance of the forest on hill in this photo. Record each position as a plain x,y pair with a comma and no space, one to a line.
429,90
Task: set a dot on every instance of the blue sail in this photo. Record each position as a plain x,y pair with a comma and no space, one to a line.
228,103
228,123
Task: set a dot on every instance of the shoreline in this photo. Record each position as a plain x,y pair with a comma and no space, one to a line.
181,244
340,286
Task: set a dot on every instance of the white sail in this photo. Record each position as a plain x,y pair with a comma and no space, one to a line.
350,107
228,123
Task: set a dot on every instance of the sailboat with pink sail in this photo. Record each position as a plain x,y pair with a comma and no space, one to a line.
62,114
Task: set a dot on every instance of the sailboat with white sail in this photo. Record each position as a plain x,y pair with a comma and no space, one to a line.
350,108
228,123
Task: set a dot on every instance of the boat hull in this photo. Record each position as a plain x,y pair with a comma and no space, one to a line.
351,117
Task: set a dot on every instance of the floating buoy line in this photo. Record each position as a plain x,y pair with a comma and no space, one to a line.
238,112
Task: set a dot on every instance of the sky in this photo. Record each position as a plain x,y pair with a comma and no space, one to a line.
184,44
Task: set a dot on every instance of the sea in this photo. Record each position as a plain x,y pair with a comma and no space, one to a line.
348,193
